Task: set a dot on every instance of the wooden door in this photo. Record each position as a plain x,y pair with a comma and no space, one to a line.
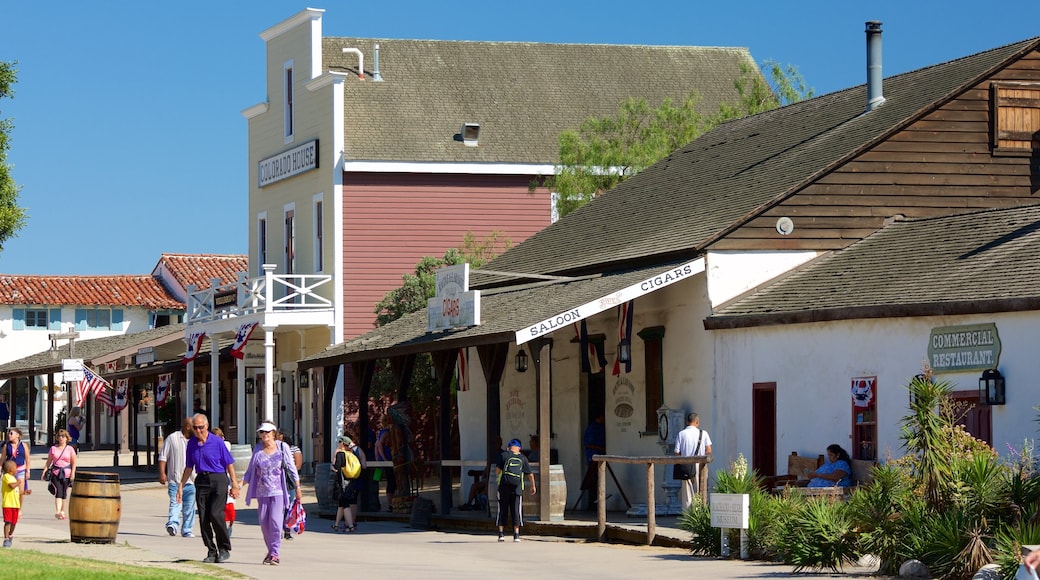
976,417
763,428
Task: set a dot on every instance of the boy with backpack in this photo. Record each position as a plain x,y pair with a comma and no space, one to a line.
510,469
347,467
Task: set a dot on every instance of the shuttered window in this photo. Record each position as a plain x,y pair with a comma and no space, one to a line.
1016,118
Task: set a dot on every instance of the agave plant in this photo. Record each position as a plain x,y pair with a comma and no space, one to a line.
819,535
881,513
957,544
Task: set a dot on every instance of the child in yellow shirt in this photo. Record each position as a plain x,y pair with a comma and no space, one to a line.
12,499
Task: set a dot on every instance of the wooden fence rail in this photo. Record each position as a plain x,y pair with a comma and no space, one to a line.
651,504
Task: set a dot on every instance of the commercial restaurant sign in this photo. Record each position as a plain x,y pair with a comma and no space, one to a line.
288,163
972,347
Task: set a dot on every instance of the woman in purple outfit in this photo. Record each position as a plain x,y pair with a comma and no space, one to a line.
266,479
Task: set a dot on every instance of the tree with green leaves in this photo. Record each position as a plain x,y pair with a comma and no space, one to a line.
605,151
417,288
12,217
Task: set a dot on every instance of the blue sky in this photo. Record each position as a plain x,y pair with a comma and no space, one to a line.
129,139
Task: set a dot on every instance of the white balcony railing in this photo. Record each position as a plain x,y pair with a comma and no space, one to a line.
269,293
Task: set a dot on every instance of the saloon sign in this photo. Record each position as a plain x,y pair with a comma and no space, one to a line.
973,347
655,282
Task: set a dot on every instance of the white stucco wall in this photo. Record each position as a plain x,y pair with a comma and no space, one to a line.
688,359
813,364
16,344
733,273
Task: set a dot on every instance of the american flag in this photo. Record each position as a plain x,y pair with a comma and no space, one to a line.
93,384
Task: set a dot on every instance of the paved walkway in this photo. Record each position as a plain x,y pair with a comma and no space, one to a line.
386,546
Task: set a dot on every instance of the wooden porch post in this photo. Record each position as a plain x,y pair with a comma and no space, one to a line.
543,364
444,363
363,374
493,360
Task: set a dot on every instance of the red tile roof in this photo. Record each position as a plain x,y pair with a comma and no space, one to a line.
143,290
197,269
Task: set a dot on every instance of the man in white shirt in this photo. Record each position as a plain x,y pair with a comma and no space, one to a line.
171,466
692,441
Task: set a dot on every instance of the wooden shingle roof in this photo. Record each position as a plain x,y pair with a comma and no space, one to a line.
681,205
982,261
503,312
144,291
522,94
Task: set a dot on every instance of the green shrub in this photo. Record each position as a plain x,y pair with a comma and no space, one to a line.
818,535
880,514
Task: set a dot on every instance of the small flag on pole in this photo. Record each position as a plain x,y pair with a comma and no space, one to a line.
97,386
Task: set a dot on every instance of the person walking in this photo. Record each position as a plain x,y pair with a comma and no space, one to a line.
5,413
61,465
214,467
181,518
18,451
384,452
76,423
692,441
270,475
11,492
350,488
297,456
510,470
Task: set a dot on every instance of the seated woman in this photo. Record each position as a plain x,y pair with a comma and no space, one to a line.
835,472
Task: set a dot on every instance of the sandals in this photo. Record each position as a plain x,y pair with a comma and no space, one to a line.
59,516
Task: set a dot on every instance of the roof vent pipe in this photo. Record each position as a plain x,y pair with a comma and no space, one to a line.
875,95
360,61
375,64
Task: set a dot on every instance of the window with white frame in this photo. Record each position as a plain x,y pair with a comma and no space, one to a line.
36,318
319,233
287,74
290,239
261,242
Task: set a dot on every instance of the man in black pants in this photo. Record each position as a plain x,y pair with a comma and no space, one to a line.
510,469
214,467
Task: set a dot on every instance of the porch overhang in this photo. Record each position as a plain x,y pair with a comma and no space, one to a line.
509,314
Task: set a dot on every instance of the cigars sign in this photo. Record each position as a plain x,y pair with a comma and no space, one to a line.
454,305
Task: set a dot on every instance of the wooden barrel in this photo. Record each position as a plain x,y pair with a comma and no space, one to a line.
242,454
94,508
556,494
324,490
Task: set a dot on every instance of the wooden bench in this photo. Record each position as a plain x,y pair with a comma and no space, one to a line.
798,469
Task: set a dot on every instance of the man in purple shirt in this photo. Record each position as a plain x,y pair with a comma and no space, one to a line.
214,468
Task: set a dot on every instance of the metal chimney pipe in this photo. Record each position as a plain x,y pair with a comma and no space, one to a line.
375,64
875,94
